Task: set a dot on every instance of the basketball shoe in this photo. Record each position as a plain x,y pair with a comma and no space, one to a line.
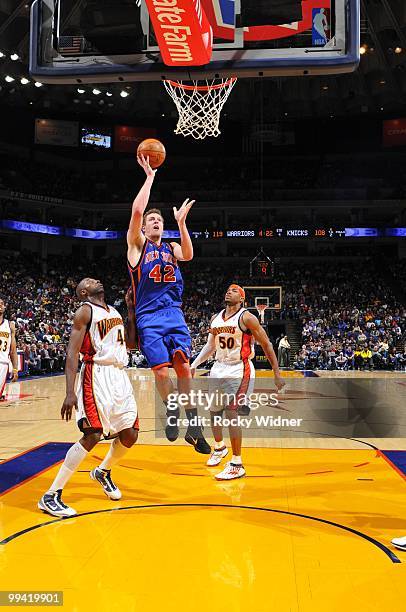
400,543
51,503
216,456
194,436
231,471
103,477
172,429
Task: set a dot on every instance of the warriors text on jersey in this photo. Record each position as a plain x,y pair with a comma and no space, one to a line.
233,345
156,279
104,341
5,341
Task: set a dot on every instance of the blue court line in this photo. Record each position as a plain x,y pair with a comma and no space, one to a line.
17,470
398,458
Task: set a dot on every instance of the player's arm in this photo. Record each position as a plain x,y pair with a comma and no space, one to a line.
13,351
130,334
135,237
184,250
80,322
253,325
207,351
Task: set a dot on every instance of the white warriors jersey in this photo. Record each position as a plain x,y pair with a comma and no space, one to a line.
233,345
104,341
5,341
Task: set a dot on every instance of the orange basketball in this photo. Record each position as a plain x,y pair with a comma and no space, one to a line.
154,149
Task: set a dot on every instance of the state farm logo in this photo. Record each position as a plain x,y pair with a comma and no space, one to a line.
397,132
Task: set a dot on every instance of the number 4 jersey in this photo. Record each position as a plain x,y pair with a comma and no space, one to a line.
156,279
104,342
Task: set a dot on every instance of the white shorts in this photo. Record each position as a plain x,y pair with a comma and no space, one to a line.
231,384
105,399
3,377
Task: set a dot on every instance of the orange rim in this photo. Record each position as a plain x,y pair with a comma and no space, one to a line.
201,87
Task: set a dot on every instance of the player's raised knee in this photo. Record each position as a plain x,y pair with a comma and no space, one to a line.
128,437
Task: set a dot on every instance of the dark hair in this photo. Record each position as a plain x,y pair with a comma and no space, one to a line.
151,211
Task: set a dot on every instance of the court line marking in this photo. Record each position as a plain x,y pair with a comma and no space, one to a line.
366,537
395,467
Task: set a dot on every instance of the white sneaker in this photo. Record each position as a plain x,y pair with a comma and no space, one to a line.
51,503
400,543
231,471
103,477
216,456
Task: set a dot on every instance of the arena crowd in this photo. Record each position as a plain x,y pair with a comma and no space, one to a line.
346,314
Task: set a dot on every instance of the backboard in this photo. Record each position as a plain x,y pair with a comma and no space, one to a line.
89,41
269,296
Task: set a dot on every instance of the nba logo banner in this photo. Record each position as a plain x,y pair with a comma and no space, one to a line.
321,30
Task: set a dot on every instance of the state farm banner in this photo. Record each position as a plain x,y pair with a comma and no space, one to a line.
127,138
183,32
57,133
394,132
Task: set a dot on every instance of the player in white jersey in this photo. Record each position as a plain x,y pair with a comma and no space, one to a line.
8,349
104,399
231,337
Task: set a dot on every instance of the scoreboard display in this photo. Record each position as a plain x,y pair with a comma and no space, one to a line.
270,233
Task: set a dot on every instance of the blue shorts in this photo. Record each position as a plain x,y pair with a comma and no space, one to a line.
161,334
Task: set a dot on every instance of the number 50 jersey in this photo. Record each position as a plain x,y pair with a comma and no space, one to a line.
233,344
156,280
104,341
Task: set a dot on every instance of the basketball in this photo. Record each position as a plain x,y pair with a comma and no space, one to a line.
154,149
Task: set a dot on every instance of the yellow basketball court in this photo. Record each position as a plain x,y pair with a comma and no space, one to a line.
311,522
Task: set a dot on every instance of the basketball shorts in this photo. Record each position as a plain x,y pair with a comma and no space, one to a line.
105,399
161,335
3,377
231,384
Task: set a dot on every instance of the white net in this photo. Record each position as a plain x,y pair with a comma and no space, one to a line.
199,105
261,304
261,308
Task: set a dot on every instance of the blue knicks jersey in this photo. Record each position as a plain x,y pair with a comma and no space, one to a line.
156,280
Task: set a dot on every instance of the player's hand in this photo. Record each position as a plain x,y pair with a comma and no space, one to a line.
181,214
15,376
279,383
193,372
144,163
129,299
70,403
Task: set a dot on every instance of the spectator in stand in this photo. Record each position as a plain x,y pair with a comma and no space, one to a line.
283,352
33,361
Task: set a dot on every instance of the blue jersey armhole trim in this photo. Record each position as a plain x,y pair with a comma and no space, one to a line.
137,265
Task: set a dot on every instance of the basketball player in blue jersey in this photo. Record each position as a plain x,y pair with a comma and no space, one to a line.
157,287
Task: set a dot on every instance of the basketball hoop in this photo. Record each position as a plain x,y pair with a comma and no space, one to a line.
261,311
199,105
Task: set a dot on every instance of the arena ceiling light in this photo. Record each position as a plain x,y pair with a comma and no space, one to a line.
108,94
81,91
124,94
8,78
96,91
2,54
14,57
398,50
363,49
38,84
24,81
